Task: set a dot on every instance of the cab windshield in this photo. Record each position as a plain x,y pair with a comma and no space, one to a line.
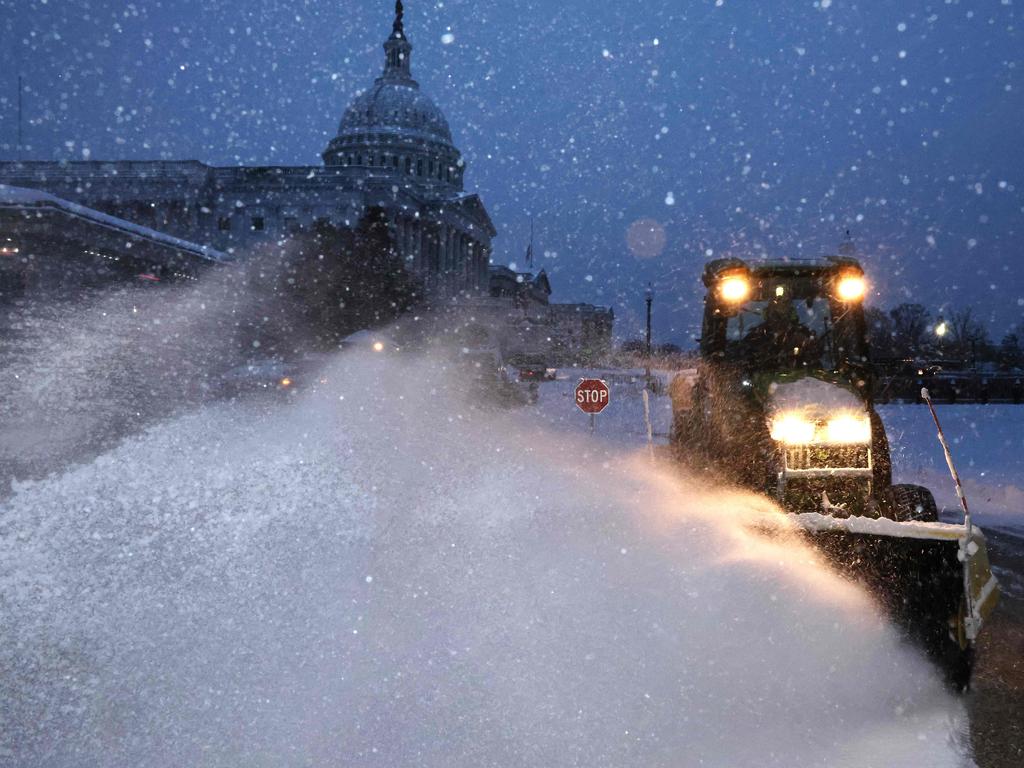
783,325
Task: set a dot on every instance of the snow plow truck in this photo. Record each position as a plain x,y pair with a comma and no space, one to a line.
781,404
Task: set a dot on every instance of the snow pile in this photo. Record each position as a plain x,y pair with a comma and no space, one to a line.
814,396
379,574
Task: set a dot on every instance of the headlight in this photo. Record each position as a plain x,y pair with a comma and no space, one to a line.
734,288
848,428
842,429
378,346
851,287
792,429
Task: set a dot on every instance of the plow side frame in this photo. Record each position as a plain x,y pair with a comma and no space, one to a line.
965,560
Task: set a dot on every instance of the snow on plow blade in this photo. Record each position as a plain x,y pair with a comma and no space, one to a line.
935,581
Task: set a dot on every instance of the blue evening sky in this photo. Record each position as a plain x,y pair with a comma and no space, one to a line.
728,127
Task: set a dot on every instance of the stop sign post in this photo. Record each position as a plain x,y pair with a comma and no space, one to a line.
592,397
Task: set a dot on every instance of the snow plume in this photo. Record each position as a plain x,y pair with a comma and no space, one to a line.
379,573
80,372
82,369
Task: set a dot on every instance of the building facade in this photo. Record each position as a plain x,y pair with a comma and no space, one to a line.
393,150
530,327
53,247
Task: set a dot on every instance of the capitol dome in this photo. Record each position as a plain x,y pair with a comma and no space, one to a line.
394,129
391,108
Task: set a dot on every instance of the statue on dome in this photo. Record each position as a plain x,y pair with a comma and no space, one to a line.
398,28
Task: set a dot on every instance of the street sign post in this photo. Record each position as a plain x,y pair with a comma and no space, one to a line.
592,397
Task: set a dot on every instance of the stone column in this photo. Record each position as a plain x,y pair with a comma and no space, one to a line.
449,254
483,268
416,246
463,262
446,258
408,257
421,261
442,248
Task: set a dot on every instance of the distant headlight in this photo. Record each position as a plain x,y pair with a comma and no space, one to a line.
792,429
848,428
286,382
378,346
842,429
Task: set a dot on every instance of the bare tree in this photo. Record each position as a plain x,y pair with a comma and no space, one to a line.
321,285
880,333
968,337
909,328
1011,352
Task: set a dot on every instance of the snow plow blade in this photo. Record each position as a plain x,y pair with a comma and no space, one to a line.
934,580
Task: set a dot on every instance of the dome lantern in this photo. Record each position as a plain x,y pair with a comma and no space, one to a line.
394,130
397,49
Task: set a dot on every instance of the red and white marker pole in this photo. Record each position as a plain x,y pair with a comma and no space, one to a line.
949,461
965,542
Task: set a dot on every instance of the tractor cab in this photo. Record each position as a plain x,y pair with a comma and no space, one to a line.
786,315
784,384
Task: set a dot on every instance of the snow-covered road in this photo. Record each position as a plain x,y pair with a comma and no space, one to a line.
379,574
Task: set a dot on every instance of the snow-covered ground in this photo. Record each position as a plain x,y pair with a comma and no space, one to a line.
379,574
621,423
987,442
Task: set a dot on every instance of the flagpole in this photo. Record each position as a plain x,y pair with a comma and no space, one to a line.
529,249
20,113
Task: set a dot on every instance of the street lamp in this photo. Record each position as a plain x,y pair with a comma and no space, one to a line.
649,298
940,330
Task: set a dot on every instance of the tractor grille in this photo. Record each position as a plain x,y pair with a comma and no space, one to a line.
827,457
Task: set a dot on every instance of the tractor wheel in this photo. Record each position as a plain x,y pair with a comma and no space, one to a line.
913,502
880,448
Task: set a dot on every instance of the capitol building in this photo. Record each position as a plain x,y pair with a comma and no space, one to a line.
393,151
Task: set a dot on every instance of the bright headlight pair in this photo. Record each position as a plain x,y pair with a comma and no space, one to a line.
840,429
735,287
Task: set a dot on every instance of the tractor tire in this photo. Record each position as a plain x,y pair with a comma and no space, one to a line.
913,502
882,475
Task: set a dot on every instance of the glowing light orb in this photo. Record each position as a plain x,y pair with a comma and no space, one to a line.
646,238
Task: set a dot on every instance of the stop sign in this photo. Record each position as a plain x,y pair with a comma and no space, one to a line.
592,395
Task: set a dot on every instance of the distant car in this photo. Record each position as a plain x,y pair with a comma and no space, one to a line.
488,379
370,341
257,375
273,375
536,373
